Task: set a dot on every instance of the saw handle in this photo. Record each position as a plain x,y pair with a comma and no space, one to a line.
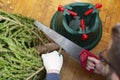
83,59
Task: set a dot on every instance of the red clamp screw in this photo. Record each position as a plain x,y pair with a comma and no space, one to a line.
61,8
72,13
84,36
92,9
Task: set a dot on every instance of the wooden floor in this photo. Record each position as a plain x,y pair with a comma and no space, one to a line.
43,10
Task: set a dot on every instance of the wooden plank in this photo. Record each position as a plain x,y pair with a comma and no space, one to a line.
20,5
29,7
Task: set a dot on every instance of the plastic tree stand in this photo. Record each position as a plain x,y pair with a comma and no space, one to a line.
68,24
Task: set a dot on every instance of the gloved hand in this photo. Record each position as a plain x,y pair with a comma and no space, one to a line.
52,61
93,63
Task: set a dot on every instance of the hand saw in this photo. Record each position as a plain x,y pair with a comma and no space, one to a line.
77,52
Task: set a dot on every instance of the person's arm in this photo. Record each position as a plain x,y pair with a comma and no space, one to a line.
53,63
53,76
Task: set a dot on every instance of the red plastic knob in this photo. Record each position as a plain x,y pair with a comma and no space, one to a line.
60,8
84,37
98,6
